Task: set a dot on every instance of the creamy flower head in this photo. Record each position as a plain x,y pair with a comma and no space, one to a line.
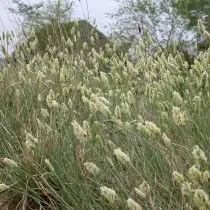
10,162
117,112
30,140
54,104
91,168
177,97
40,76
109,194
50,98
44,112
143,190
86,127
205,176
142,128
178,116
201,199
49,165
121,156
166,140
194,174
133,205
3,187
79,132
152,127
186,188
64,108
39,97
177,177
198,154
111,144
197,102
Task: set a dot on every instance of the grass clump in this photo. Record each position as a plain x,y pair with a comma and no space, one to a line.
75,136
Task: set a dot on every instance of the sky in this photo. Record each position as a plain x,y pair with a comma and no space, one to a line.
97,10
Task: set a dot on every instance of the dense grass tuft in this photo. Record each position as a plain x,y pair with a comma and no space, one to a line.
90,129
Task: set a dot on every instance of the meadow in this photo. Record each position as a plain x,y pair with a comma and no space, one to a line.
96,130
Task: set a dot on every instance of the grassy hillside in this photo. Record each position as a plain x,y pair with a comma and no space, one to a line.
74,136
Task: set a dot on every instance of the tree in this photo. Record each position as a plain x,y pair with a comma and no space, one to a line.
192,11
40,13
158,17
164,20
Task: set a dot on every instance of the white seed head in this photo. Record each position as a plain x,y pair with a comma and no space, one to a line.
204,84
197,102
177,177
205,176
91,168
118,113
79,132
39,97
64,108
186,188
92,40
143,190
48,128
40,124
40,76
130,97
54,104
111,144
142,128
201,199
3,187
194,174
10,162
140,119
177,97
109,160
17,94
104,109
85,46
121,156
178,116
29,144
44,113
166,140
50,98
30,137
70,105
109,194
139,192
198,154
133,205
49,165
152,127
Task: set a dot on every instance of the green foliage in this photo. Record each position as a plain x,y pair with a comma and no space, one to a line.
158,18
39,14
192,11
165,21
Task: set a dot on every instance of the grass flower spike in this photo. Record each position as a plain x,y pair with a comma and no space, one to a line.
109,194
133,205
122,157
